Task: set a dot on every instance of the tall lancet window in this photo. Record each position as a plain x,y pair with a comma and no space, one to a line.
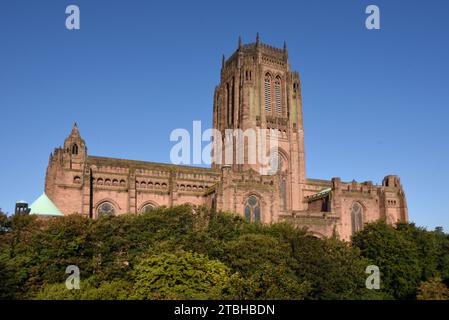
283,188
277,92
267,93
356,217
75,149
233,101
252,209
217,110
228,100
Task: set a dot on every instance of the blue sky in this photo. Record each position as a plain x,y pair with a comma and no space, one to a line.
375,102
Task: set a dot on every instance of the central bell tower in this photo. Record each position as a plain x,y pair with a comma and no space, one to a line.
258,90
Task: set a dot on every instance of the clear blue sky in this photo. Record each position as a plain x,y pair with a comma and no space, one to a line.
375,102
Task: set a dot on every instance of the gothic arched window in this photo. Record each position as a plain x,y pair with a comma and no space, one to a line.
233,101
267,93
252,209
295,87
228,103
278,95
279,166
356,217
276,163
147,208
105,209
75,149
283,189
213,202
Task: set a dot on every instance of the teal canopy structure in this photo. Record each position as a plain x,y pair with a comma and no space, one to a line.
43,206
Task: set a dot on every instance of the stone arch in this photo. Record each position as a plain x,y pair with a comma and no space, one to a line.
316,234
142,208
100,203
278,75
280,166
358,215
279,161
254,193
283,156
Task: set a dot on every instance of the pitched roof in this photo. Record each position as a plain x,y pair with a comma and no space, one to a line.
44,206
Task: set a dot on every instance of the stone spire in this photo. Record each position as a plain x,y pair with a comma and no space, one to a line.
75,131
257,39
240,42
285,50
75,139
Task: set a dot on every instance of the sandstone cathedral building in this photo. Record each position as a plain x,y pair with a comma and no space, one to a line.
257,90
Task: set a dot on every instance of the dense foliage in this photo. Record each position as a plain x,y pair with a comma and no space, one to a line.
180,253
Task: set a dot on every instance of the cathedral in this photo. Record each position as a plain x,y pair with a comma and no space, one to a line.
257,90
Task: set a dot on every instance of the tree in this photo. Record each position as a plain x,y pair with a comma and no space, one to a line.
442,241
108,290
194,253
428,246
264,262
433,289
396,254
334,269
3,222
250,251
268,282
179,275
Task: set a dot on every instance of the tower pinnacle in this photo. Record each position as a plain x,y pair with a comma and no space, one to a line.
75,130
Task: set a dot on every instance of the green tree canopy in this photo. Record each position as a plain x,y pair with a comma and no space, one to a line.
405,254
179,275
196,253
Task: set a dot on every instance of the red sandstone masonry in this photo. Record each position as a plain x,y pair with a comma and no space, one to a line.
79,183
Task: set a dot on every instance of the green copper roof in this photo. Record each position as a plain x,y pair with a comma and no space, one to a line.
324,191
44,206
